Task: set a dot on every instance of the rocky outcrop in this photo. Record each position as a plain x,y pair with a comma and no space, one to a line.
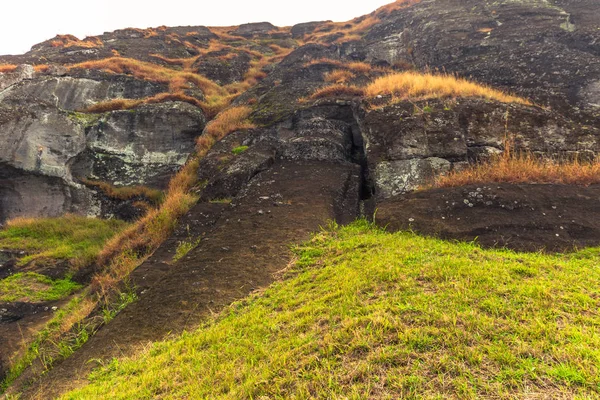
544,50
78,92
49,145
143,146
408,144
223,67
254,29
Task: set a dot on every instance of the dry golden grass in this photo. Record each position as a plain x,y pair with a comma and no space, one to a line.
125,193
152,72
228,121
113,105
339,76
223,33
523,167
337,90
418,86
359,67
71,41
7,68
328,61
41,68
216,98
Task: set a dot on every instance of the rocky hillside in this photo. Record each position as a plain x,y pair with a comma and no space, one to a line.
124,108
283,129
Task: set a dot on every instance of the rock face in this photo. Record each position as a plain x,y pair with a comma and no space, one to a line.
47,145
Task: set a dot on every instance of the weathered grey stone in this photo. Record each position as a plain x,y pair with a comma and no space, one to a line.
141,146
396,177
69,93
255,28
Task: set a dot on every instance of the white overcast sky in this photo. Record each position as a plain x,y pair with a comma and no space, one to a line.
28,22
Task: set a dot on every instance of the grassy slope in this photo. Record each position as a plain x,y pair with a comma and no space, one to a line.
371,314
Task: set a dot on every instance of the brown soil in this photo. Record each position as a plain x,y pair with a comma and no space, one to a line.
244,245
520,217
19,322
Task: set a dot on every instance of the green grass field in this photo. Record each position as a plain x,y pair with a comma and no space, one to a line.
32,287
75,238
369,314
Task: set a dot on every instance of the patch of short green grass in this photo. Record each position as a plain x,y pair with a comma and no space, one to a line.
239,150
184,247
32,287
71,237
369,314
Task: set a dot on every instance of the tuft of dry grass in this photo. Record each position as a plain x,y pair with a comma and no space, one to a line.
67,41
228,121
114,105
7,68
337,90
328,61
339,76
359,67
127,192
523,167
419,86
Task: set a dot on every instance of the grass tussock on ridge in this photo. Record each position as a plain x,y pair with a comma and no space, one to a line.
6,68
421,86
523,167
127,192
368,314
228,121
337,90
67,41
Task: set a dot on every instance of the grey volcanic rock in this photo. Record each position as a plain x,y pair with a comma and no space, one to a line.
26,194
254,29
406,147
223,71
22,73
74,93
142,146
299,30
48,146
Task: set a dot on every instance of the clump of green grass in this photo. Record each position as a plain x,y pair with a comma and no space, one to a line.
184,248
32,287
369,314
239,150
75,238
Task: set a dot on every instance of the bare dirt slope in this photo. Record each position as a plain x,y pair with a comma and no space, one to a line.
519,217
